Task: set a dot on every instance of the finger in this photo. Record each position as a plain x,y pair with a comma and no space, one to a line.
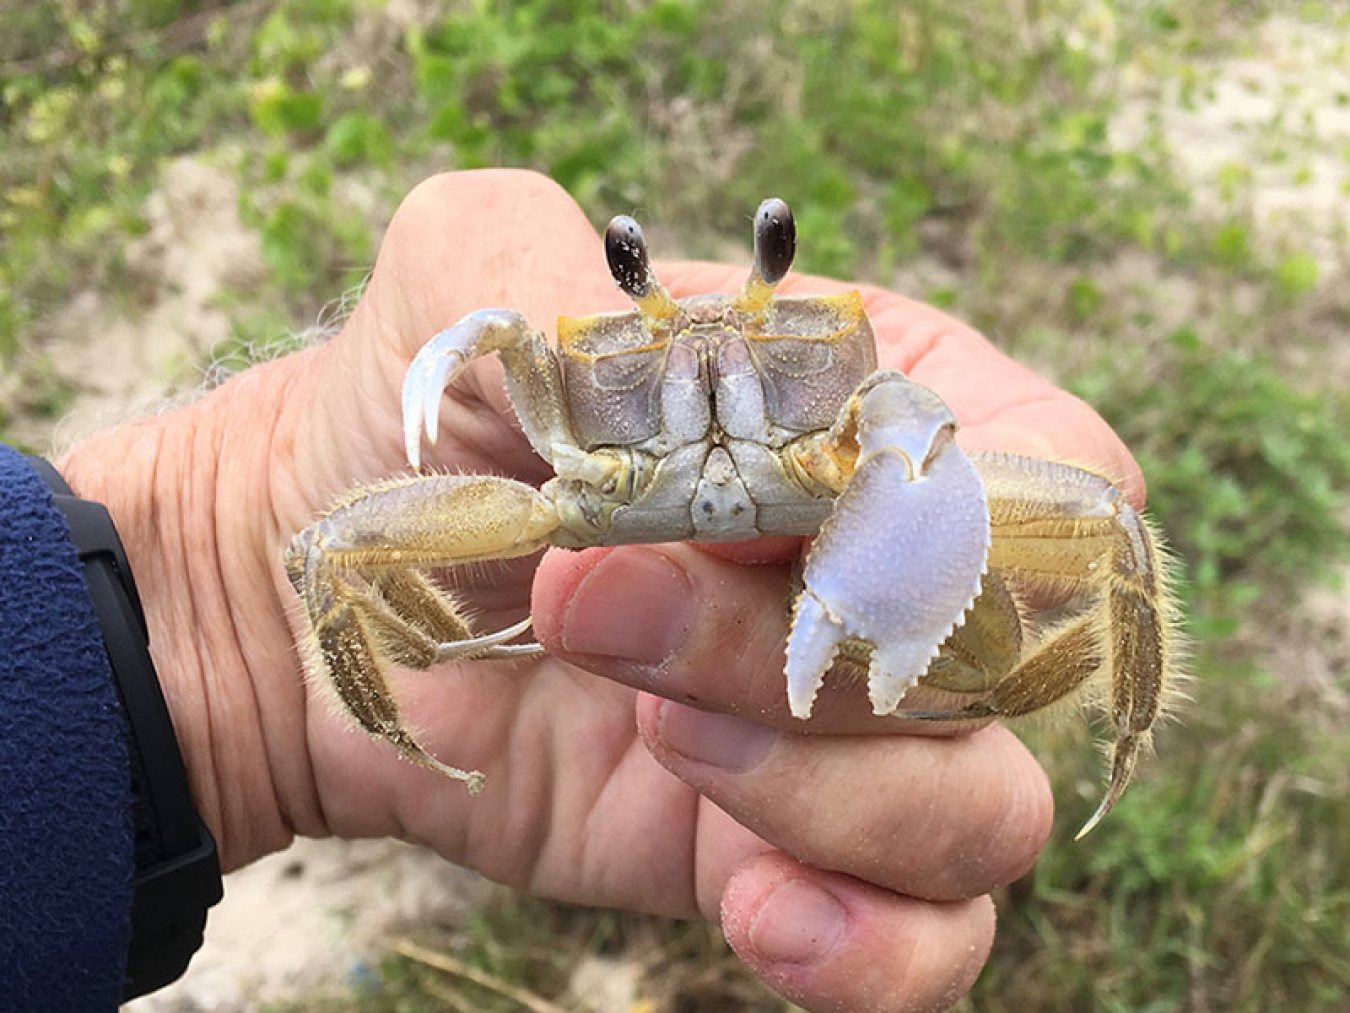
829,942
942,819
1002,404
695,627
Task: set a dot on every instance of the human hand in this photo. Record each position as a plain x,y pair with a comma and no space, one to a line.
848,866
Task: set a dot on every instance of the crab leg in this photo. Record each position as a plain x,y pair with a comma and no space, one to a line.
367,606
985,647
899,561
533,381
1067,529
422,625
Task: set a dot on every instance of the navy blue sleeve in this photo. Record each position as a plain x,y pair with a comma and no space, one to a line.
66,860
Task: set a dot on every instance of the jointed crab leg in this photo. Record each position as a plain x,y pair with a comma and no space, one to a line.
1067,529
985,647
433,630
368,607
533,381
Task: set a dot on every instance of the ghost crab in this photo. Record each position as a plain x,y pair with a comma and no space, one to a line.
722,418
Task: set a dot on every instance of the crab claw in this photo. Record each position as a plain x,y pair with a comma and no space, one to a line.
899,560
440,360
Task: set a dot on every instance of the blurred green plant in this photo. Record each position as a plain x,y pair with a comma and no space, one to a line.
1248,472
869,118
1218,885
1220,882
859,114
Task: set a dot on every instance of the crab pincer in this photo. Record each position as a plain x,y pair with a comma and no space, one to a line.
900,559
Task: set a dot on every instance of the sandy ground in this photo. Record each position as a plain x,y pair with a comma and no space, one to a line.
1269,131
312,919
195,248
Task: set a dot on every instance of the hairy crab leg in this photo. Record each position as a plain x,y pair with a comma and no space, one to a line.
425,623
899,560
1066,529
367,607
985,647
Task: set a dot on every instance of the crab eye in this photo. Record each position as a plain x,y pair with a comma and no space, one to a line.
775,240
626,251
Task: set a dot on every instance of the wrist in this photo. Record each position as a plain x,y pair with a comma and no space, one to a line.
189,494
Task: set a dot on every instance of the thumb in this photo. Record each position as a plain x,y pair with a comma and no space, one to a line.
459,242
464,241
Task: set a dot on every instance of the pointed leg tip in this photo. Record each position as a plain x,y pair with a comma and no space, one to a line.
412,750
489,645
473,780
1124,755
1105,807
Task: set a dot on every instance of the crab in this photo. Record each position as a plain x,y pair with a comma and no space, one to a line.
731,417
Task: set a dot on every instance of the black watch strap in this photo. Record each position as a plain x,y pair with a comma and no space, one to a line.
177,870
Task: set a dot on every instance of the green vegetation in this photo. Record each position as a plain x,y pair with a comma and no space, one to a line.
967,143
1273,463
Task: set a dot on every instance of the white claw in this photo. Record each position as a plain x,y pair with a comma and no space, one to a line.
811,647
897,564
439,370
412,419
437,363
428,374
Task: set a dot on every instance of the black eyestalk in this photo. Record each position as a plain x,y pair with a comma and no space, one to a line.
775,246
626,251
775,240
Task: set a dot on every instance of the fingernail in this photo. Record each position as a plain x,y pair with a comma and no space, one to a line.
798,923
636,605
719,740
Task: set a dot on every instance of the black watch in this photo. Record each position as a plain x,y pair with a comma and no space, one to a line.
177,870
